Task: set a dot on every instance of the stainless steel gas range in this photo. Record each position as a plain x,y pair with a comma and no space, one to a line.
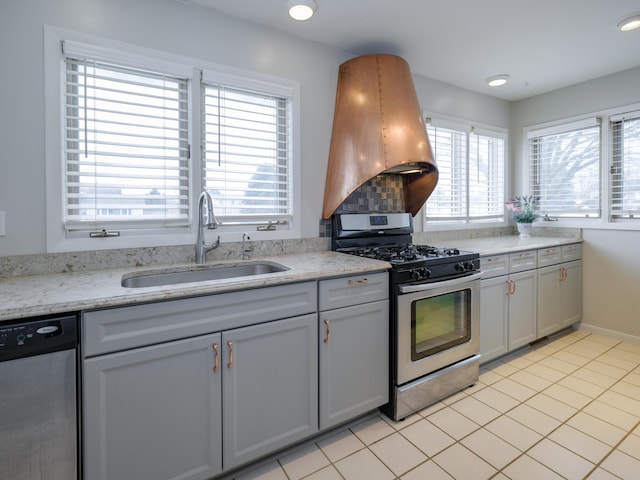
435,305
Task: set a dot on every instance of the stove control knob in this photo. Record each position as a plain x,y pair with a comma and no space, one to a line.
425,273
459,267
468,266
415,275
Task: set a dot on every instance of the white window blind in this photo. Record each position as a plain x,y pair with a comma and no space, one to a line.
471,175
625,165
486,176
126,146
247,154
565,169
448,200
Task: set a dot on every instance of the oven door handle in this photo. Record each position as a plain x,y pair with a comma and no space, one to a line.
423,287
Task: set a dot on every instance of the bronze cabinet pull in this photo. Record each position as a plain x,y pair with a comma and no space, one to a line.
215,357
358,282
328,332
230,364
511,287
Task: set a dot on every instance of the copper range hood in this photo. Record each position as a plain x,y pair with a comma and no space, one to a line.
378,128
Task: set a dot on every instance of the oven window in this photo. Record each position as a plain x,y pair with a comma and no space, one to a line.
440,322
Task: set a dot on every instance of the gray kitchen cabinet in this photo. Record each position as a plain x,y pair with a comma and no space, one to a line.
508,292
158,406
270,387
354,346
559,289
522,309
494,318
528,295
154,412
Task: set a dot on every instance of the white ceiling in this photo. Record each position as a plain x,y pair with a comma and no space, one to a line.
542,44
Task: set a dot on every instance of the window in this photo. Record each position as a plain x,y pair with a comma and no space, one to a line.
564,166
247,154
126,146
471,164
625,165
134,135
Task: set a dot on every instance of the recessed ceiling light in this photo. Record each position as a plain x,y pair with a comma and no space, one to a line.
498,80
629,23
301,9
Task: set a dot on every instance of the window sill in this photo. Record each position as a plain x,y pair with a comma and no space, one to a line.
591,224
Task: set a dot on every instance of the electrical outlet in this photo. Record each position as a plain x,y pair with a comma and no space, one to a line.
3,230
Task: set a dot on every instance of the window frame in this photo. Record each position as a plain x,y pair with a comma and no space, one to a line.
287,91
468,128
616,160
561,129
606,221
57,239
78,153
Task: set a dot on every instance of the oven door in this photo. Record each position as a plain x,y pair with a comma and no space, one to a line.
437,325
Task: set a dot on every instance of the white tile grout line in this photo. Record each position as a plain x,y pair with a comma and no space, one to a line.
522,353
397,427
490,367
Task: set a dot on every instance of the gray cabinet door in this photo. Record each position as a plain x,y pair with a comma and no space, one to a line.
494,317
270,387
559,297
571,299
153,413
549,282
523,309
354,361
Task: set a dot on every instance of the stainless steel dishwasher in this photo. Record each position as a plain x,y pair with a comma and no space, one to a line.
38,412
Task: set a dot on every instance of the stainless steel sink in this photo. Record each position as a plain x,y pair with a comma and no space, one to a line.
199,274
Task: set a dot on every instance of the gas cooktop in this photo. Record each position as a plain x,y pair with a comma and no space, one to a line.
404,253
388,237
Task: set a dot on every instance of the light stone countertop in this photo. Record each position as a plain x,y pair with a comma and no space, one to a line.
511,243
33,295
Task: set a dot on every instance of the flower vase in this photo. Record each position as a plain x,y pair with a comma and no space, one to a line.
524,229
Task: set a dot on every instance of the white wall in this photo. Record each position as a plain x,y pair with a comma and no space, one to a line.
170,26
611,275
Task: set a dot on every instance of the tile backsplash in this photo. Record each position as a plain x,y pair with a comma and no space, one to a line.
381,194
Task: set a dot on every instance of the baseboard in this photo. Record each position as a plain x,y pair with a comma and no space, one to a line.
625,337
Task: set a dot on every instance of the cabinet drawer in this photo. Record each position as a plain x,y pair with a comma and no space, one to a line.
549,256
571,252
135,326
519,262
346,291
494,266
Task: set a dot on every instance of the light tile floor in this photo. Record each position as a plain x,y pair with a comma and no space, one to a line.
566,408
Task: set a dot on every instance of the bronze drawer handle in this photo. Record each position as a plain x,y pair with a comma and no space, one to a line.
358,282
563,274
215,357
230,364
328,331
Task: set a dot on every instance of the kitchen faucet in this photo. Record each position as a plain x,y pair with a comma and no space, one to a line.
202,247
245,251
